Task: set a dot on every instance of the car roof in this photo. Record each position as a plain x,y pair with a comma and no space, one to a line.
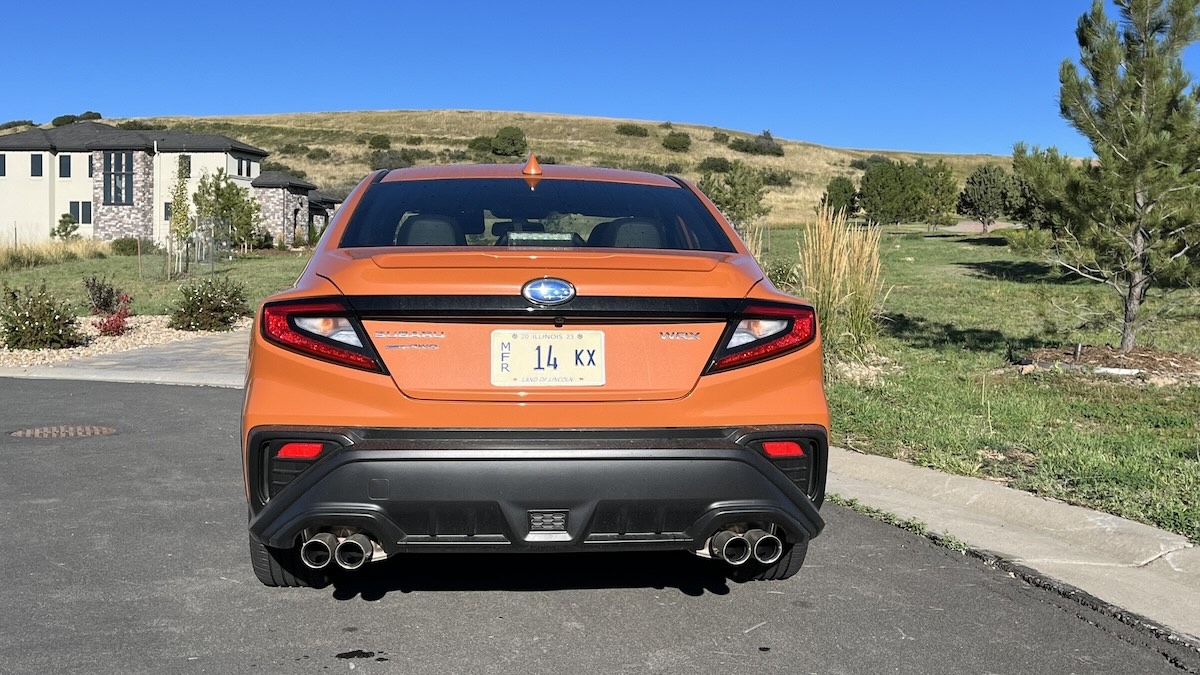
549,172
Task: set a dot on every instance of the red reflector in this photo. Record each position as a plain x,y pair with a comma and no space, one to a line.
299,451
783,449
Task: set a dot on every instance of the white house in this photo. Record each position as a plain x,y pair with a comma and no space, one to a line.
115,182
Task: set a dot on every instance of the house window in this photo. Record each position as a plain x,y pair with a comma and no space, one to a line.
64,167
35,165
185,166
82,212
2,166
118,178
241,164
166,210
90,172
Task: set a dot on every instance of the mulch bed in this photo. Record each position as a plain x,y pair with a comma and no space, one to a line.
1145,360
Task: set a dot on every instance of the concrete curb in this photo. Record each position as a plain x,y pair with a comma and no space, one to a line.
227,380
1144,570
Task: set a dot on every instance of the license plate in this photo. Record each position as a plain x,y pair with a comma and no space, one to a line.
547,358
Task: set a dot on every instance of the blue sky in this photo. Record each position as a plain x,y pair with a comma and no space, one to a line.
925,75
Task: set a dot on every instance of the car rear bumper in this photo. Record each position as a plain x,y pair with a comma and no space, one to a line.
582,490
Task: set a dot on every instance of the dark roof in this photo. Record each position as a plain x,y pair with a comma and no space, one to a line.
318,198
279,179
85,136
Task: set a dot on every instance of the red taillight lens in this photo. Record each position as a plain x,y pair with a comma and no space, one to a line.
782,449
764,332
299,450
322,329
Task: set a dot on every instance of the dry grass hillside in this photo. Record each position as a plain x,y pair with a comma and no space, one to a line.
565,138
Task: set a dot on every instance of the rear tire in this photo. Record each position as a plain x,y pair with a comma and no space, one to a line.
282,567
788,564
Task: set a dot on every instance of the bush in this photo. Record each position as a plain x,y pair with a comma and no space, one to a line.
103,297
115,324
129,246
633,130
781,272
16,123
135,125
413,140
677,141
509,142
64,120
776,177
480,144
91,115
271,165
666,125
35,319
1029,243
379,142
318,154
762,144
213,303
646,164
714,165
720,137
449,156
862,164
293,149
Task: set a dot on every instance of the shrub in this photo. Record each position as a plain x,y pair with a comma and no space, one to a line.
413,140
66,228
677,141
136,125
103,297
762,144
720,137
16,123
64,120
389,159
864,163
776,177
633,130
35,319
1030,243
379,142
293,149
666,125
318,154
449,156
91,115
115,324
213,303
714,165
271,165
509,142
129,246
480,144
781,272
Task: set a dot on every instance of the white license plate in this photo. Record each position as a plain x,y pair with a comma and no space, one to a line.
547,358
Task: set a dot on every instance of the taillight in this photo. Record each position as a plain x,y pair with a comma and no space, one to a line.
295,450
764,331
323,329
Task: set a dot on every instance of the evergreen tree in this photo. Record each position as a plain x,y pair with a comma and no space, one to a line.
985,195
840,195
939,192
890,192
739,193
1132,216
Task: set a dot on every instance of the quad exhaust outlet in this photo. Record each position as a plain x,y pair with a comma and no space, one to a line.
325,549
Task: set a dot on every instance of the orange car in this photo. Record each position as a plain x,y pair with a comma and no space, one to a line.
508,358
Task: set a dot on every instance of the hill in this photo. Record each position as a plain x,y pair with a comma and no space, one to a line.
564,138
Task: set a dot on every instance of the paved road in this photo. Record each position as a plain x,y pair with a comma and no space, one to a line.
127,553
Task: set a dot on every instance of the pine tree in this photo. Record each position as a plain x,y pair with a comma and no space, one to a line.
985,195
840,196
1133,214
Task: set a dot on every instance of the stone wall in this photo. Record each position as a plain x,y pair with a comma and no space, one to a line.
284,213
132,220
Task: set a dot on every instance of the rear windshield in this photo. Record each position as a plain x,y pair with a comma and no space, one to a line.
554,213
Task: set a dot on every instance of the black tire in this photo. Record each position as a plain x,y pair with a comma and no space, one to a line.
788,564
282,567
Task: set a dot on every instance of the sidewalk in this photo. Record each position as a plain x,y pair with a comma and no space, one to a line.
1144,570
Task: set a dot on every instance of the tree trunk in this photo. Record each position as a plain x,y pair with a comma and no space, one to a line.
1139,285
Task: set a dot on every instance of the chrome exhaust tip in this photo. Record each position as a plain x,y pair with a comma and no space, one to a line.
317,552
730,547
354,551
764,546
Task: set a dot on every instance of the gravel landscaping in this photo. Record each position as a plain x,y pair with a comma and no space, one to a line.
144,331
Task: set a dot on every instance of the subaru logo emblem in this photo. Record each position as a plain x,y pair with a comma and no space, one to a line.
548,291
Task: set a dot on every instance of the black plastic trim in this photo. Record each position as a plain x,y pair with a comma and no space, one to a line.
513,466
447,307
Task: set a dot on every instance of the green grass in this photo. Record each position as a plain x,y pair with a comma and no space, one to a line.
152,292
958,306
